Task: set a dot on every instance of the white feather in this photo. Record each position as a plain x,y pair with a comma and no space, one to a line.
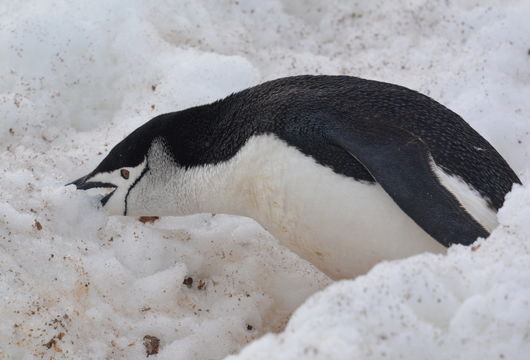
469,198
341,225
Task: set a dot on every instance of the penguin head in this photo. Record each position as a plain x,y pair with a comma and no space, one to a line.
160,168
134,176
117,175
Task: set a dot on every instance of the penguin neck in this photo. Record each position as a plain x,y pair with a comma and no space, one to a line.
208,134
252,184
189,134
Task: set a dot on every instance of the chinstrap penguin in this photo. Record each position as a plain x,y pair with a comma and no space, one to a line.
344,171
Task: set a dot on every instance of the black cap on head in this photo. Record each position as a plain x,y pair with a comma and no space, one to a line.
130,152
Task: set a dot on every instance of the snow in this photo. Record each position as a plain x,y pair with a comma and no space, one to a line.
76,77
471,304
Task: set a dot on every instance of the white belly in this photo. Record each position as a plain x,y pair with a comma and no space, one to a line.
345,228
342,226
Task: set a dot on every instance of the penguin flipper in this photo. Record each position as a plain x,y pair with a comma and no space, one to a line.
402,164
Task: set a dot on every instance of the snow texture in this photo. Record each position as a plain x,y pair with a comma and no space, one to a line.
76,77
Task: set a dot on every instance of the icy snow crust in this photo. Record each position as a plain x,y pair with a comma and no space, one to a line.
76,77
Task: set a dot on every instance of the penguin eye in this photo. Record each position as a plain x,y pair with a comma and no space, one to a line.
124,173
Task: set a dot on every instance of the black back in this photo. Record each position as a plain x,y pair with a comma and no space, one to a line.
301,110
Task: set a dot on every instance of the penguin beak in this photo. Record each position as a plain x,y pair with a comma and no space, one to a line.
83,184
79,183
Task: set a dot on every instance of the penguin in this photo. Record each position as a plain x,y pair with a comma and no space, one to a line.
346,172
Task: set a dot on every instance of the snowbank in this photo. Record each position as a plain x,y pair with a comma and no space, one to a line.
471,304
75,78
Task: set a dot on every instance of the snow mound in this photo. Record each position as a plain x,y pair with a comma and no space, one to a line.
80,284
473,303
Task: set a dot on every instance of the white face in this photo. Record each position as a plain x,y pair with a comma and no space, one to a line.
157,186
125,179
164,188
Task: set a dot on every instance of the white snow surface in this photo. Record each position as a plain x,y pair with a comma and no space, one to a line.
76,77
